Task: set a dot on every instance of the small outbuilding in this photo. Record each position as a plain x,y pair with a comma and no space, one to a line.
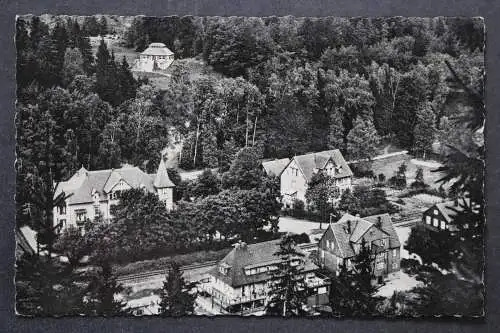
156,57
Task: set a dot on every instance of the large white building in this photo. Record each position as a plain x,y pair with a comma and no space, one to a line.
90,194
298,172
157,57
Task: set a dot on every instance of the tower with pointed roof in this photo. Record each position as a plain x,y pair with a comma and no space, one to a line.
163,185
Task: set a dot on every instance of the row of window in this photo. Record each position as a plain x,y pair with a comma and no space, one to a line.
435,222
381,265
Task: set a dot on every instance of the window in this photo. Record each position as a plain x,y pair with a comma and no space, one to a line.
97,212
435,222
380,265
435,211
428,219
62,210
394,265
382,242
63,223
322,254
327,244
443,225
81,215
223,270
394,252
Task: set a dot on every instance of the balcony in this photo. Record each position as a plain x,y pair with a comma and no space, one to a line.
317,280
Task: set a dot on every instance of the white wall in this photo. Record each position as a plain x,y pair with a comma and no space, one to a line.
292,183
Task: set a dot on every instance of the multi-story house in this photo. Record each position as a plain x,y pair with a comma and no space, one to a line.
240,283
342,241
274,168
296,176
440,215
90,194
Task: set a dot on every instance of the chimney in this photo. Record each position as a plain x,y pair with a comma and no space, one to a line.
349,226
379,221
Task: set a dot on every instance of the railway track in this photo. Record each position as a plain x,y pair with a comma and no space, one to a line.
408,220
140,277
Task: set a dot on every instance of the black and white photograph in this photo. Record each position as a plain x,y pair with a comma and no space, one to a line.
313,167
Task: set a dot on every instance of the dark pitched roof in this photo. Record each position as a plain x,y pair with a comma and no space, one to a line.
358,229
80,186
251,256
450,208
308,163
275,167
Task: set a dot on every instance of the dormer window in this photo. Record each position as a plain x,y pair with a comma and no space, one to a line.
224,268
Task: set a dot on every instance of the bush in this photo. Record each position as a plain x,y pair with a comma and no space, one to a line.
298,208
398,182
362,171
410,266
302,238
424,190
381,178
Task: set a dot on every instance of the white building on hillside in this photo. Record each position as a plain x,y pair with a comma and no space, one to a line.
297,174
90,194
157,57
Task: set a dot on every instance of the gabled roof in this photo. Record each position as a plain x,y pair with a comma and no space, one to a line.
162,180
450,208
387,227
308,163
80,186
275,167
158,49
349,230
251,256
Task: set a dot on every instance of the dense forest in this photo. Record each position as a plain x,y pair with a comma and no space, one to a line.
282,85
277,86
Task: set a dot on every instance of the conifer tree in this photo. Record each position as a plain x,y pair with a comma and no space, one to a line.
354,292
424,131
128,84
103,290
340,296
362,140
320,194
288,294
177,298
336,131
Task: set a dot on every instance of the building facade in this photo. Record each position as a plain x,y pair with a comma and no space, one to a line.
440,216
240,283
90,194
157,57
342,241
297,174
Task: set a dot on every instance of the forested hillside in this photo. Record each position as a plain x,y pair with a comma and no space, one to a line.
283,85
